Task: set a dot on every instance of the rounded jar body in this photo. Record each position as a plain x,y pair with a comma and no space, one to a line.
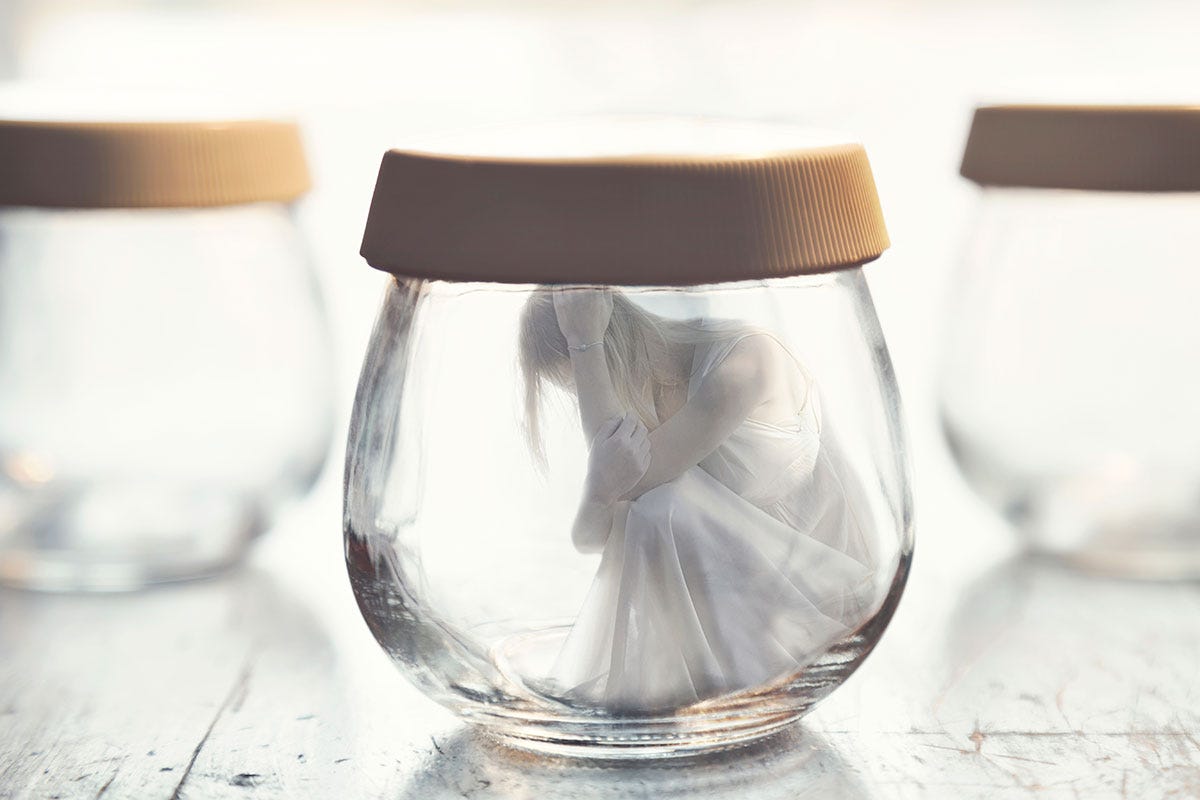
1068,391
744,554
164,385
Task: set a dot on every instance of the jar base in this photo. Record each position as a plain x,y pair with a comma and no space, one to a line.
616,739
1120,519
1132,537
1141,564
587,731
120,538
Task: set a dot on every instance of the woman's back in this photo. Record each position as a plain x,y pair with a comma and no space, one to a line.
776,447
790,466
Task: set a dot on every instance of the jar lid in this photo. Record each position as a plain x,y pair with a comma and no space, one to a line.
1101,148
130,164
693,210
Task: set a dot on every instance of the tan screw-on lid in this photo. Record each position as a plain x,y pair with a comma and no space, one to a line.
70,164
1103,148
624,217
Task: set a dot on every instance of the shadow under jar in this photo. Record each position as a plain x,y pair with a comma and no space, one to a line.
164,359
626,473
1069,391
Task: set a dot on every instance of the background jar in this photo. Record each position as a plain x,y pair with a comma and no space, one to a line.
458,522
1069,389
164,360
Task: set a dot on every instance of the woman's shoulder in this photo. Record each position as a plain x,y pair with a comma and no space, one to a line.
744,359
752,344
720,340
757,354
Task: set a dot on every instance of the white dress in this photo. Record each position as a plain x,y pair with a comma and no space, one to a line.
735,574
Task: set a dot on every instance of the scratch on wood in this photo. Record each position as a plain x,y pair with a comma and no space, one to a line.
1023,758
945,747
239,694
108,782
246,779
236,694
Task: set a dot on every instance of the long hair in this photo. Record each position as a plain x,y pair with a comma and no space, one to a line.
636,346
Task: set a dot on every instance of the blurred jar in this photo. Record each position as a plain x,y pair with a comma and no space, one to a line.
164,359
1070,390
626,474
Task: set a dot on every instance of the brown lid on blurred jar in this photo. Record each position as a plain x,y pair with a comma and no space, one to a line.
636,219
80,164
1100,148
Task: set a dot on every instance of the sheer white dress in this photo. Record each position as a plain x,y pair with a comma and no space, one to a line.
733,575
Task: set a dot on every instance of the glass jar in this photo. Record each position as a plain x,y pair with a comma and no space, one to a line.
626,474
1068,391
164,359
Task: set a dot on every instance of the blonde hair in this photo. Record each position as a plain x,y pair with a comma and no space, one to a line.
636,345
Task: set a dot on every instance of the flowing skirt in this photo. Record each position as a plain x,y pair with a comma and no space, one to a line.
701,593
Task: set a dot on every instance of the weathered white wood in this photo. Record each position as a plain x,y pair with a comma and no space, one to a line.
121,696
1000,678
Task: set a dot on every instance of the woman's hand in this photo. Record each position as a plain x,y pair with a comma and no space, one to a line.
619,457
583,314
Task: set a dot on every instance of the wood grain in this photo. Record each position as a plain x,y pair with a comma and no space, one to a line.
1001,677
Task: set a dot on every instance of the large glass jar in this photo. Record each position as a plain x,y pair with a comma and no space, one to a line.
626,474
164,360
1069,391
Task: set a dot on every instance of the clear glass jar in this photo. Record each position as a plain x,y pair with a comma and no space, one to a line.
1068,395
164,371
619,518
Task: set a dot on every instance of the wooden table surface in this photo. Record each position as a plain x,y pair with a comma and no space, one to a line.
1000,677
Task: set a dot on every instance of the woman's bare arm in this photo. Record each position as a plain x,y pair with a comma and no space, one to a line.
593,524
726,397
617,458
594,390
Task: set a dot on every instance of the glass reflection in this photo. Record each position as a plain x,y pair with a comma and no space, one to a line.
794,765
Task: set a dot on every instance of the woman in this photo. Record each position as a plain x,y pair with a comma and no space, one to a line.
731,551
